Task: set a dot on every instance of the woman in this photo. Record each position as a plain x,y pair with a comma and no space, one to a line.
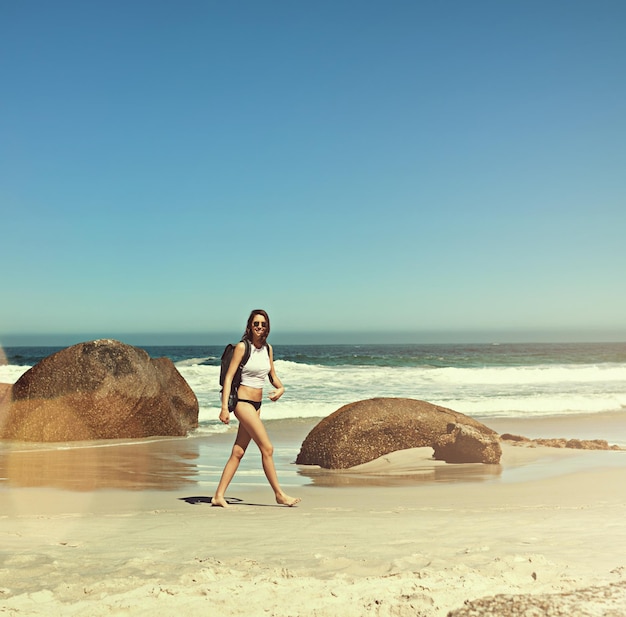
248,408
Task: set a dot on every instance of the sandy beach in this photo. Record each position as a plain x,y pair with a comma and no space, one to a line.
403,535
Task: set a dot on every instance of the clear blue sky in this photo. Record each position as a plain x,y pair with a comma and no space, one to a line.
443,167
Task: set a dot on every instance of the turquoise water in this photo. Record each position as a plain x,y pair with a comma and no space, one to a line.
444,355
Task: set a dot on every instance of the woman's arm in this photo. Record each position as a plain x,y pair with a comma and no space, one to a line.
235,361
279,389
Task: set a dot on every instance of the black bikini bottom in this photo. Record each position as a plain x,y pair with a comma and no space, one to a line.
255,404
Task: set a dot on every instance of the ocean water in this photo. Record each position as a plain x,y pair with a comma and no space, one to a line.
484,381
576,390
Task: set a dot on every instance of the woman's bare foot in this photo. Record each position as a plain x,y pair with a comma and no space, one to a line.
219,501
285,500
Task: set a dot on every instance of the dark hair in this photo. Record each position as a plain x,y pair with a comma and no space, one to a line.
248,333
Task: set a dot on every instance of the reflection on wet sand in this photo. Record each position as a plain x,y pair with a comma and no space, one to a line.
402,468
158,464
167,463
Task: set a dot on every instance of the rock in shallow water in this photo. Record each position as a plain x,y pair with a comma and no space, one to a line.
363,431
99,390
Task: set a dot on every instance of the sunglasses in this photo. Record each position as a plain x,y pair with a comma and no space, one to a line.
260,324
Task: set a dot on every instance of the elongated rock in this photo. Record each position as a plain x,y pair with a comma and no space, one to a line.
365,430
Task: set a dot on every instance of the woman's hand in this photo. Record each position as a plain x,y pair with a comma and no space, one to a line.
274,395
224,415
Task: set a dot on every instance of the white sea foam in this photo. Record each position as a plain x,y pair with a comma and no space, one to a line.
195,361
317,391
536,406
314,391
10,373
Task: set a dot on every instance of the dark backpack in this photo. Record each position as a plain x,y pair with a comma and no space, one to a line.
227,356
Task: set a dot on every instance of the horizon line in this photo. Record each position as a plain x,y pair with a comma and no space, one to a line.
329,337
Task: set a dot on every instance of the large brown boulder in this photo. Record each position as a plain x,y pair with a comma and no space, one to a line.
5,399
366,430
99,390
5,389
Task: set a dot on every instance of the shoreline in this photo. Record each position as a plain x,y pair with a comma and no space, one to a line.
173,463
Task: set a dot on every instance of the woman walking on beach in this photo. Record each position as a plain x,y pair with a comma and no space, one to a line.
260,365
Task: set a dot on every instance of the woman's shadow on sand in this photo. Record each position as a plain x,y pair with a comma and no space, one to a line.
229,500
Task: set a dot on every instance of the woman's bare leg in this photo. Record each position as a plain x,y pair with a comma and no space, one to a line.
239,449
249,418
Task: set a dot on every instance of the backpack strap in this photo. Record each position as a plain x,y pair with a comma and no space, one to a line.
246,353
270,350
244,360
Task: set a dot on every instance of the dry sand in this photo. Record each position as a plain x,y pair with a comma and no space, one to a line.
363,543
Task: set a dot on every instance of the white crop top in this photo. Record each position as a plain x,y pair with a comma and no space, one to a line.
257,367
